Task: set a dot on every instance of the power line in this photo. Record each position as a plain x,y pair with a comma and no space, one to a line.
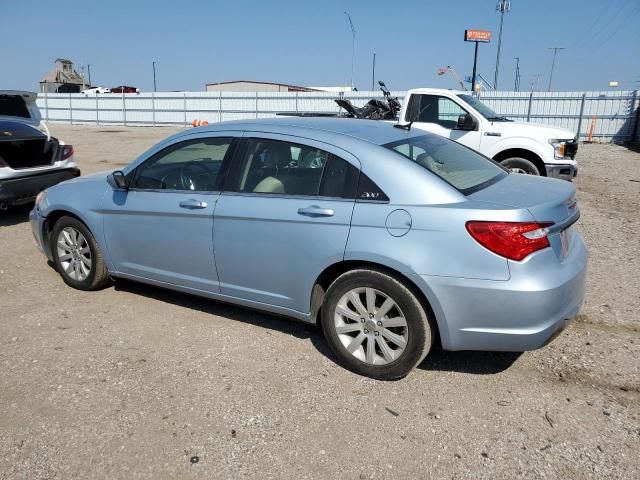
553,64
593,38
503,7
617,29
595,22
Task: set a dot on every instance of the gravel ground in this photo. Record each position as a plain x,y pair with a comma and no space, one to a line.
138,382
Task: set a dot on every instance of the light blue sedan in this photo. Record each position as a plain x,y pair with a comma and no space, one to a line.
390,239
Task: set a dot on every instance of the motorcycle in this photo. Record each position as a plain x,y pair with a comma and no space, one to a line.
374,109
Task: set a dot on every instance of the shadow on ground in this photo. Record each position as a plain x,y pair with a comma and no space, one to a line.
15,215
476,363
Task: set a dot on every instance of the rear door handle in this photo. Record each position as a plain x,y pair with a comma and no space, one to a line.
192,204
315,211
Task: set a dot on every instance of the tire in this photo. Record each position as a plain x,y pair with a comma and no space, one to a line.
76,256
367,338
520,165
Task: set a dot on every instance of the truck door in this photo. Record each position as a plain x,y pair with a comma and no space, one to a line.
439,114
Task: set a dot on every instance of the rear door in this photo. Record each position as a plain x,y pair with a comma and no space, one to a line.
439,114
162,227
284,217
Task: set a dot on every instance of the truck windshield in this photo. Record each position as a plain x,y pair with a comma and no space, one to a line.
485,111
459,166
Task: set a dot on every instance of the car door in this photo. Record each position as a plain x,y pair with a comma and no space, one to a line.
439,114
284,216
161,228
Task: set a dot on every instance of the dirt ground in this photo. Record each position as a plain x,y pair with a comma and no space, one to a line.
138,382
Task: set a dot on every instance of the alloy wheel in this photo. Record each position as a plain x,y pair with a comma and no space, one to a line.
371,326
74,254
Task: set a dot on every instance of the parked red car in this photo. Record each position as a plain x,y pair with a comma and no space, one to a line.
125,89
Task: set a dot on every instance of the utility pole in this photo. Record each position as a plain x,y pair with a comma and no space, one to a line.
503,7
516,84
154,77
473,75
553,64
353,45
89,72
534,82
373,73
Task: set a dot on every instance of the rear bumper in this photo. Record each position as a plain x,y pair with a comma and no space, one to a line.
523,313
20,190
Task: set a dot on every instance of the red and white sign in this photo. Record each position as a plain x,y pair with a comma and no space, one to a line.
477,36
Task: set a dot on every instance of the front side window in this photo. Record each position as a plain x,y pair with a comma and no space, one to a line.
457,165
193,165
434,109
284,168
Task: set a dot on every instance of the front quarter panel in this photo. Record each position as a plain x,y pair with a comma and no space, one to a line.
81,198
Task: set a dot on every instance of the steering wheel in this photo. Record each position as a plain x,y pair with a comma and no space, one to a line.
187,180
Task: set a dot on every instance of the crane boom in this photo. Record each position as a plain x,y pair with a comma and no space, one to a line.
455,75
449,68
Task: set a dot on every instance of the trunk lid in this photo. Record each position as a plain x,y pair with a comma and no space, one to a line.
19,105
546,199
23,146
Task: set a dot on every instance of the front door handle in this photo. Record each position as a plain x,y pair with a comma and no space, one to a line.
315,211
192,204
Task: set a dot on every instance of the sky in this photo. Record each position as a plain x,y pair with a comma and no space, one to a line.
309,43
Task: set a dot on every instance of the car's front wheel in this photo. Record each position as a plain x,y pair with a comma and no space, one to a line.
77,256
375,324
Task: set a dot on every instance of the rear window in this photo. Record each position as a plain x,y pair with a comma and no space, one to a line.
459,166
13,106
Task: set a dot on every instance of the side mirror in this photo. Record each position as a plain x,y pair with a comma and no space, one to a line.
466,122
118,180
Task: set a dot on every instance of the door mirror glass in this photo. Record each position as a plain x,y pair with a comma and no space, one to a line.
119,180
466,122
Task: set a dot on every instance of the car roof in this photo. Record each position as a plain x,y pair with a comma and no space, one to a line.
377,132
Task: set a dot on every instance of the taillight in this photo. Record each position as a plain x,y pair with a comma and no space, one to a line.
513,240
67,151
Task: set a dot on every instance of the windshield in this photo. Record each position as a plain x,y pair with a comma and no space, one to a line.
485,111
456,164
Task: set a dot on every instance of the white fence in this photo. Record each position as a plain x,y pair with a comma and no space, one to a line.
615,115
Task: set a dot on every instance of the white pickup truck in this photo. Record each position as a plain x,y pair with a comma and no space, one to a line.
519,146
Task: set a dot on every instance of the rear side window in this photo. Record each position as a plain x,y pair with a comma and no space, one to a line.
456,164
284,168
13,106
368,190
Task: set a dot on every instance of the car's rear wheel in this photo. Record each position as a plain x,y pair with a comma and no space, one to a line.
375,324
77,256
520,165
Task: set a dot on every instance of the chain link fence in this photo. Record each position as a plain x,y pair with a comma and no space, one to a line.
611,116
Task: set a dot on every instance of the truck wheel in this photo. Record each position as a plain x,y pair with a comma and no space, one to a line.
520,165
375,325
